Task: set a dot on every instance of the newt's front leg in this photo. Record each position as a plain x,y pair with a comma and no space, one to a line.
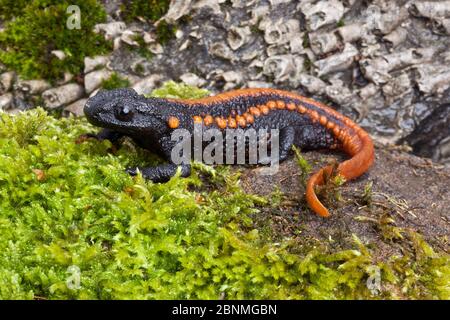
105,134
161,173
164,172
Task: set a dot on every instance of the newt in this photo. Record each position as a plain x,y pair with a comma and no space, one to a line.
301,121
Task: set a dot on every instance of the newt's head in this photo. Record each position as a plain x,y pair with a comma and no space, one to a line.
125,111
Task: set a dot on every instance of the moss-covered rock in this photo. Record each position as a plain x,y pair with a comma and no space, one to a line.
152,10
40,27
115,81
149,9
174,90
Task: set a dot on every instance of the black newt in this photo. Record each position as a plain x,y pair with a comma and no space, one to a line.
301,121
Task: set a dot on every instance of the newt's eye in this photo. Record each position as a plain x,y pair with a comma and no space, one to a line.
124,114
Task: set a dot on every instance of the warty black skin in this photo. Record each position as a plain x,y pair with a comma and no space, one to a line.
122,112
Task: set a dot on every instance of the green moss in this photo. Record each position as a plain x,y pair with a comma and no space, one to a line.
305,167
338,181
165,32
306,43
139,69
142,50
307,64
171,89
12,8
149,9
67,206
114,82
368,194
254,29
330,191
40,28
340,23
152,10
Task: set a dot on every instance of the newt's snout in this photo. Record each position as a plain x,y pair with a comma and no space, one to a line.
101,108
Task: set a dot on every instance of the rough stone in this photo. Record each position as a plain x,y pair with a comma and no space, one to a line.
94,79
56,97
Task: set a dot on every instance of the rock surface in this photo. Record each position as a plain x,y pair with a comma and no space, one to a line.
383,63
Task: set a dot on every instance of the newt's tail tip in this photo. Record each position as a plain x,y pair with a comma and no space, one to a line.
311,197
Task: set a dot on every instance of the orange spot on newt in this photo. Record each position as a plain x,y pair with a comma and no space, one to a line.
255,111
208,120
221,122
301,109
280,104
173,122
336,131
249,118
272,105
314,115
290,106
241,121
197,119
264,109
232,122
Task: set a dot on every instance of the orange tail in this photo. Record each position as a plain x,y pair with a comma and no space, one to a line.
357,143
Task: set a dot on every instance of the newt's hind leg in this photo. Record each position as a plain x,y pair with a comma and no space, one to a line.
287,137
286,140
161,173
